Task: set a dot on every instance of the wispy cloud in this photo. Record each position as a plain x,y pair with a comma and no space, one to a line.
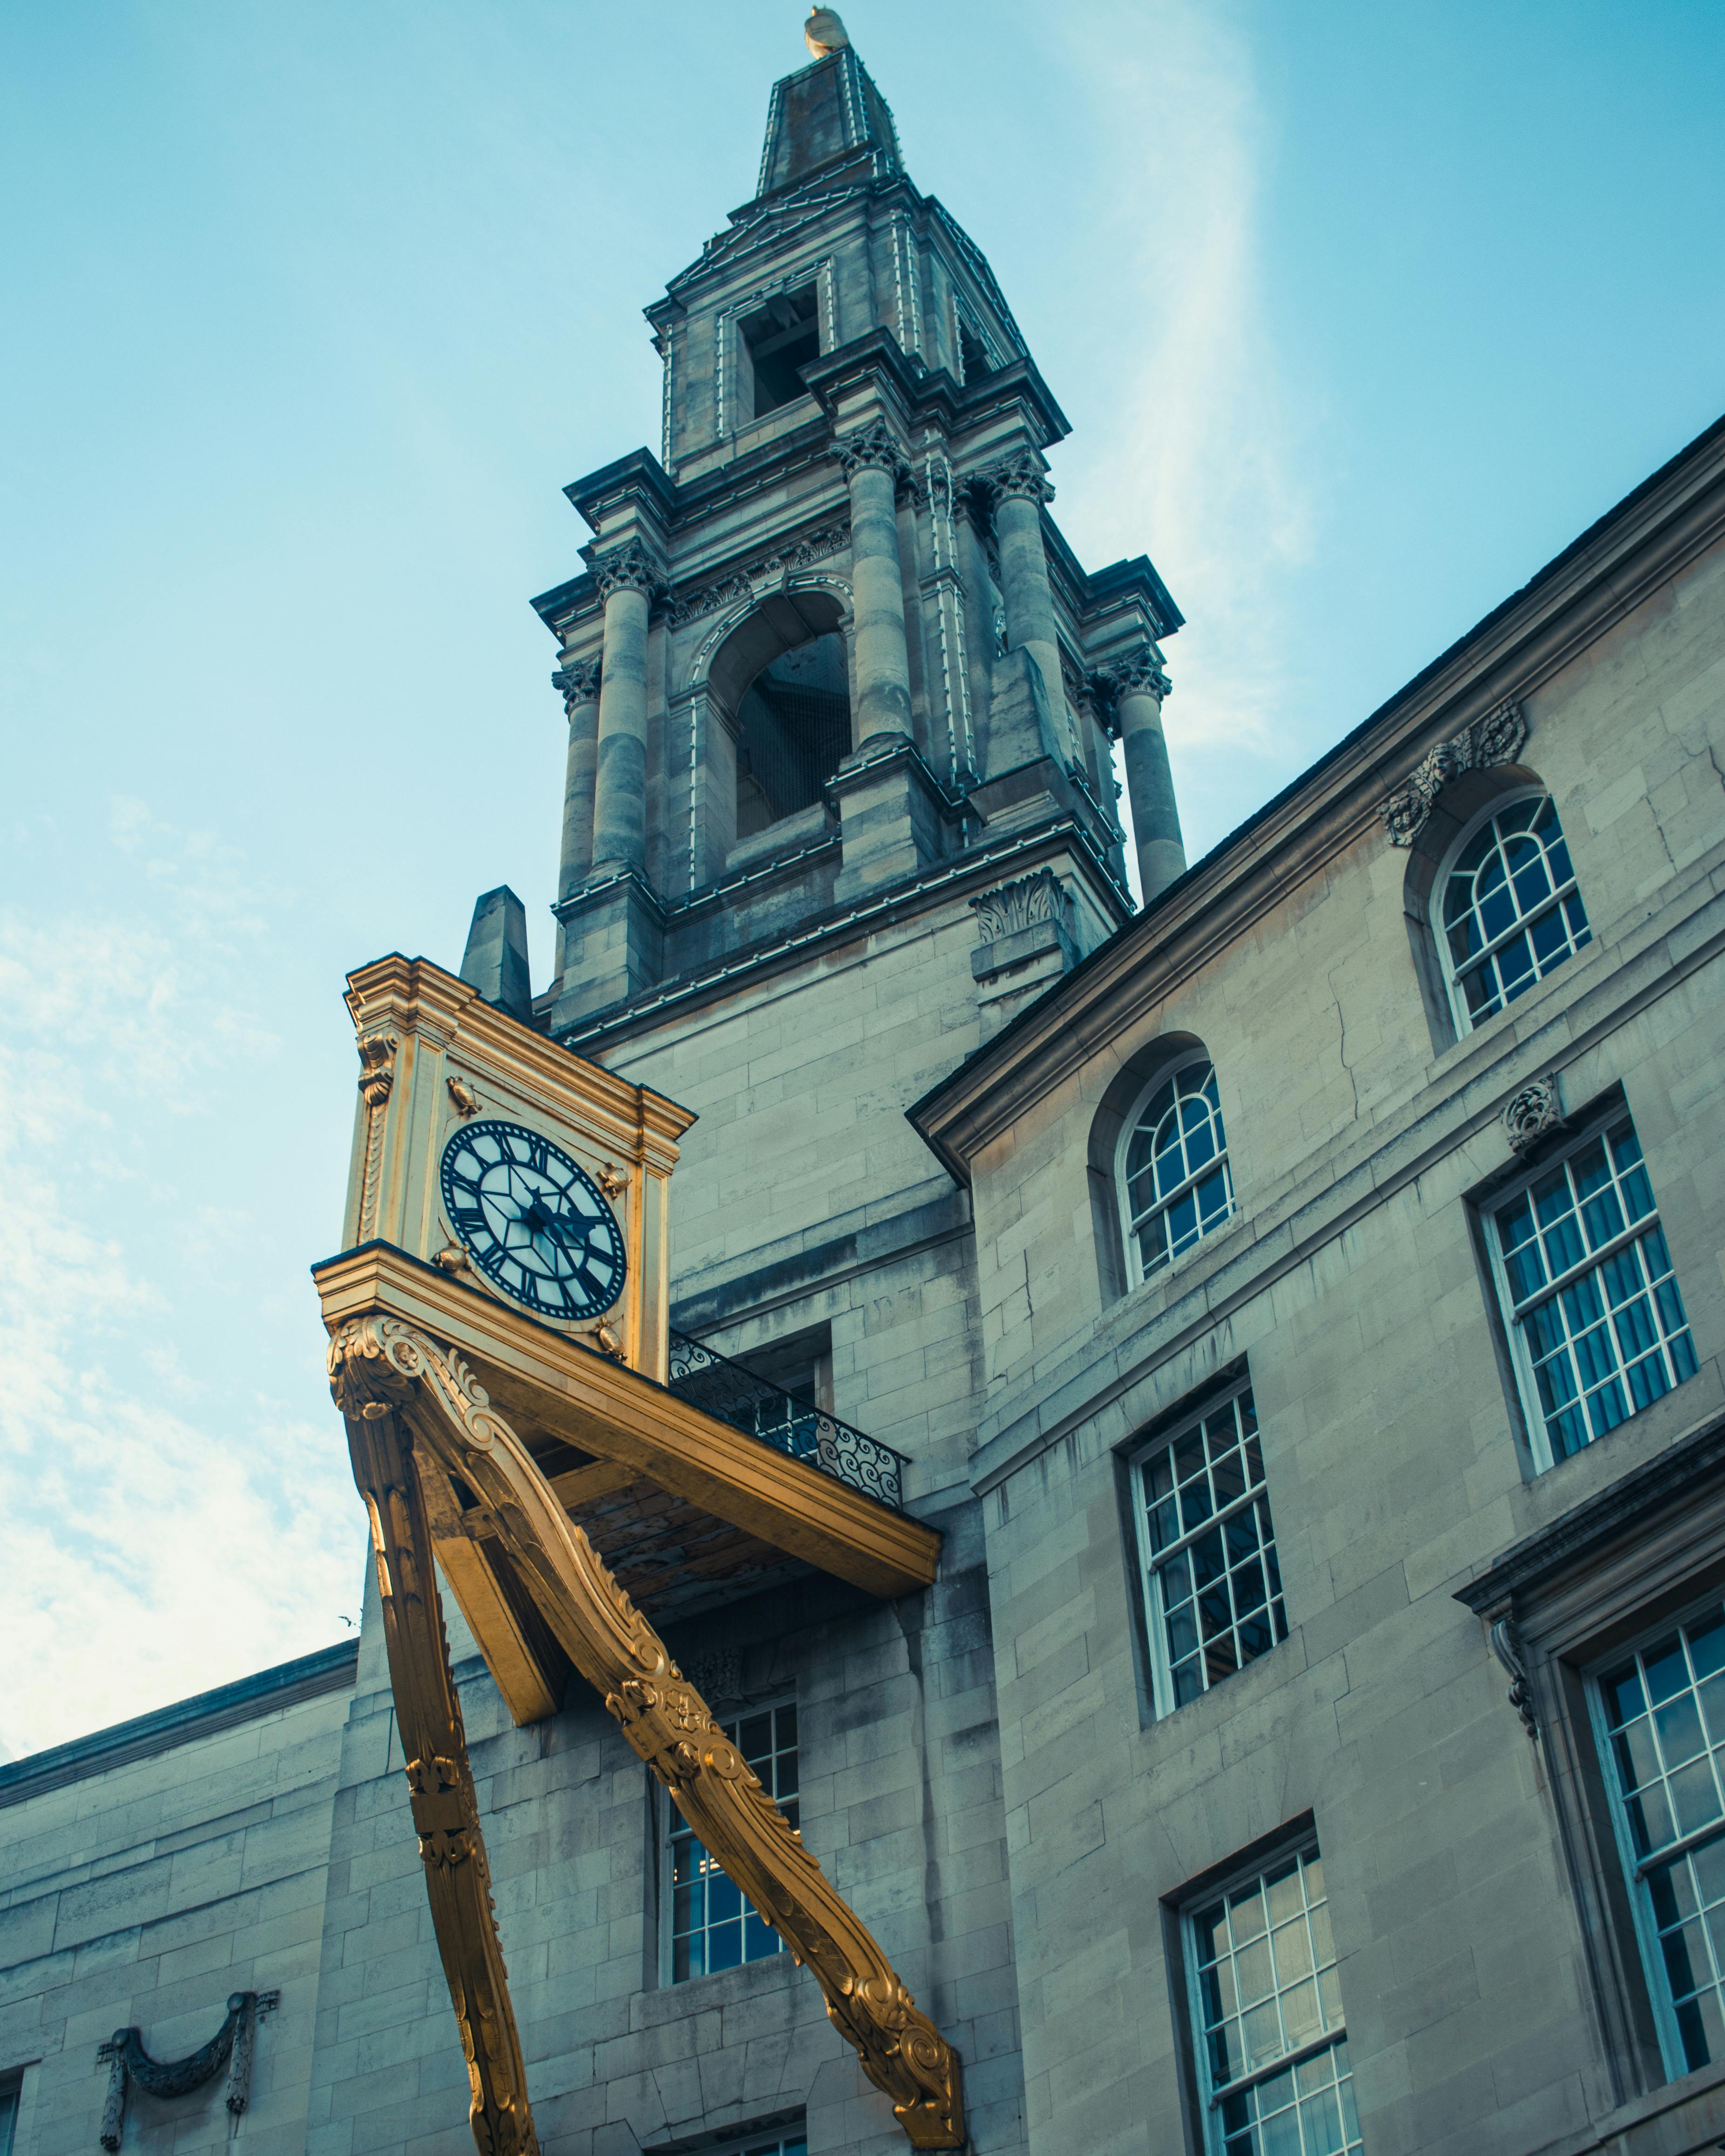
159,1532
1204,465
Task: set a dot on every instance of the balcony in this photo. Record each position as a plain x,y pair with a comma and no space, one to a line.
732,1394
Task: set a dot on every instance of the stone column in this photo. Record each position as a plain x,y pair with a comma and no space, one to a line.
1139,686
873,463
579,681
627,579
1019,489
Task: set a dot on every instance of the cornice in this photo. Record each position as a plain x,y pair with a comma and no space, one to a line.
974,867
1583,1533
1647,539
268,1692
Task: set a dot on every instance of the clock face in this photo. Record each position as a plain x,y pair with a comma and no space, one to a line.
532,1221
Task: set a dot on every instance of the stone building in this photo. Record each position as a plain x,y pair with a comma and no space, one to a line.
1298,1304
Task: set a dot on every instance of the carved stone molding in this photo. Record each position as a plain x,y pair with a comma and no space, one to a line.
1136,674
376,1066
577,681
413,1410
1506,1645
631,568
231,2046
1021,904
1531,1111
1497,738
874,448
1020,474
718,1675
738,586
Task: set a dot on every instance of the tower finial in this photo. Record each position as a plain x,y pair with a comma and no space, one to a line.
824,33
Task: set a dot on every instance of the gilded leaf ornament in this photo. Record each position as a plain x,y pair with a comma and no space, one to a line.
442,1421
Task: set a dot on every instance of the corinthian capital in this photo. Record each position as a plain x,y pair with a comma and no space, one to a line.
578,681
873,448
631,568
1138,673
1019,476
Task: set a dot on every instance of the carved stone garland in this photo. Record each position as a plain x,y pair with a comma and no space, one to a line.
1497,738
231,2046
398,1390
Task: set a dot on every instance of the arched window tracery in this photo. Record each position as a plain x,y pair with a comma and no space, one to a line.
1175,1182
1506,911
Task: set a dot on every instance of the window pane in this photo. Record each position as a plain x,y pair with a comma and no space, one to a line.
1510,911
1175,1174
1214,1585
1267,1989
1614,1337
713,1925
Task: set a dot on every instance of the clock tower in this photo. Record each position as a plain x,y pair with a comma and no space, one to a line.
828,653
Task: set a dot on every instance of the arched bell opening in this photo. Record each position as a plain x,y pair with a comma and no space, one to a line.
781,678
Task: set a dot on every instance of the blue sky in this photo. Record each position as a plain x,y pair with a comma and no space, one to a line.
1359,313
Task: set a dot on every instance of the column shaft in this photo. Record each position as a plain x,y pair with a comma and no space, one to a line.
581,684
877,595
1024,586
619,820
1150,787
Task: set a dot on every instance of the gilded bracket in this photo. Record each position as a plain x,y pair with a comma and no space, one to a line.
413,1406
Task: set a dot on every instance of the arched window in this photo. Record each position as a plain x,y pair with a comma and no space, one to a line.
1508,910
1175,1185
794,728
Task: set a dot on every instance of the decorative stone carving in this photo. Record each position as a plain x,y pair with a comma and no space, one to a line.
376,1066
738,586
466,1100
874,448
1021,904
1506,1645
1138,675
1531,1111
630,569
1497,738
1020,474
577,681
231,2046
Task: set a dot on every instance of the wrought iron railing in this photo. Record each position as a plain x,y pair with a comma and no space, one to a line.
724,1390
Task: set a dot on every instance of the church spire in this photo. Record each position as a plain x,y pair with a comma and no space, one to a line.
826,110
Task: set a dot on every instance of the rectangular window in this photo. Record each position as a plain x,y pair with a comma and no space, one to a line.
1595,1316
1267,2010
711,1924
1661,1727
780,337
1212,1598
9,2115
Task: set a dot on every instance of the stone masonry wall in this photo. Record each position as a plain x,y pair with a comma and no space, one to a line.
1349,1282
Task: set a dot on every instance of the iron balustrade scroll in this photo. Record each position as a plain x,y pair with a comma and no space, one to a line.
730,1393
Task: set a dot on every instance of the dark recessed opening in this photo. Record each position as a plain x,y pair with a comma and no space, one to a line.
780,337
793,727
973,353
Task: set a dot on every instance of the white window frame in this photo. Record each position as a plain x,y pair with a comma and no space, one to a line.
1169,1073
1151,1560
1463,1018
767,2141
1211,2099
672,1826
1635,1867
1532,1413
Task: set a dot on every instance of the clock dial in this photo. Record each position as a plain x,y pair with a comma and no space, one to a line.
532,1221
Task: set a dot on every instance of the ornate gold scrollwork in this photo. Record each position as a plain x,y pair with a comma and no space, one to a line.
373,1398
665,1720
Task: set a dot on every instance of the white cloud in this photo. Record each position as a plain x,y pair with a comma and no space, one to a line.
159,1532
1203,463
